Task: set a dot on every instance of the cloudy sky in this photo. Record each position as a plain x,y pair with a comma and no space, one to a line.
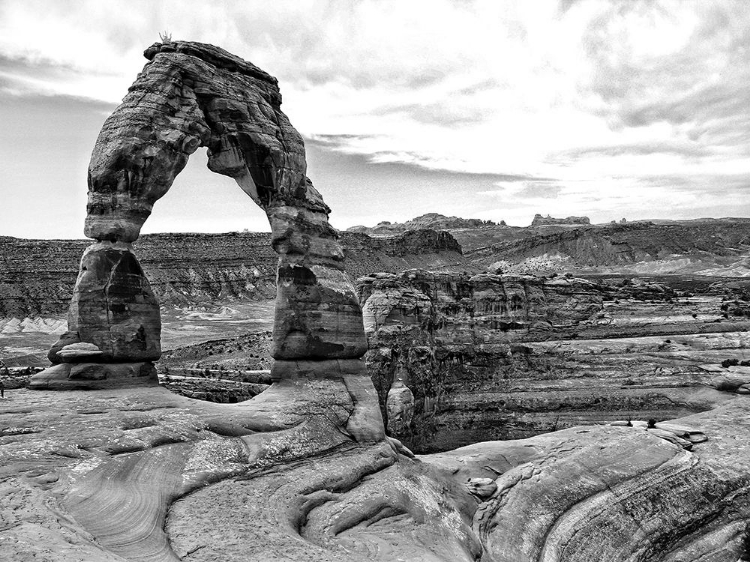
482,109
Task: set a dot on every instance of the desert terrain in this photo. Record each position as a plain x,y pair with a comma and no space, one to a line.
444,389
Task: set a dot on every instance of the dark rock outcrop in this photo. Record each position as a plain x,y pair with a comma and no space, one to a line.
113,308
539,220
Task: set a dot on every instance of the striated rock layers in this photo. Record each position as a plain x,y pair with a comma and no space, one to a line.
459,359
435,334
191,95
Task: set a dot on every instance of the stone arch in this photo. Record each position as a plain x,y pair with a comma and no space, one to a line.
191,95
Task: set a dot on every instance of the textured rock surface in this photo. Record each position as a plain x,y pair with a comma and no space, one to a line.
142,474
706,247
113,307
502,357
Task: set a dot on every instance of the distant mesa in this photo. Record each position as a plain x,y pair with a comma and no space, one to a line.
539,220
432,221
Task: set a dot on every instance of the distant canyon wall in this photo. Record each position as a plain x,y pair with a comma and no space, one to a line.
459,359
37,276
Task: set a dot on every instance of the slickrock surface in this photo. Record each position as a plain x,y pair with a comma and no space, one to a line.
458,359
143,474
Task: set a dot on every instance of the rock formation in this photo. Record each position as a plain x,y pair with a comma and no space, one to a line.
458,359
432,221
539,220
142,474
192,95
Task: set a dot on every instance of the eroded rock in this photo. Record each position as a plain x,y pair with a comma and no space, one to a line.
191,95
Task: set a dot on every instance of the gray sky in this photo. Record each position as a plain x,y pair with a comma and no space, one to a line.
494,110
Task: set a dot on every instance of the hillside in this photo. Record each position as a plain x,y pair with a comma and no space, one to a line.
709,247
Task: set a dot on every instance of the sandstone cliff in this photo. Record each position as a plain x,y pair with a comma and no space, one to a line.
459,359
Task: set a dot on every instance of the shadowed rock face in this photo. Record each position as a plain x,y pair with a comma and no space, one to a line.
192,95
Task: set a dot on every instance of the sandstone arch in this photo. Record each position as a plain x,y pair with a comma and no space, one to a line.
193,95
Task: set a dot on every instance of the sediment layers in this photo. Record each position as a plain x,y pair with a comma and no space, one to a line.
458,359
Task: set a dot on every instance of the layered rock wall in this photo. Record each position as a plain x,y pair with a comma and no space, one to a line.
459,359
37,276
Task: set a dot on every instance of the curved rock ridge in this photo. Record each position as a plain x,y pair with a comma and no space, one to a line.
191,95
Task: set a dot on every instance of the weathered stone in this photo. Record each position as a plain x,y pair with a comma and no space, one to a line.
365,423
400,407
321,369
47,379
79,351
539,220
113,307
671,437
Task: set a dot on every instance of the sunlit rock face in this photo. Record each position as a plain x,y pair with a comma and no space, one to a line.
191,95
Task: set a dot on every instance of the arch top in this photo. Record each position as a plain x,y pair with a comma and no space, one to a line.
191,95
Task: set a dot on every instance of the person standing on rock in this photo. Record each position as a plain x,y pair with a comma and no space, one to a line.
2,390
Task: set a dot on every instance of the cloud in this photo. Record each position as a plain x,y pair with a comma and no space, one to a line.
679,148
443,113
593,107
540,190
358,145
